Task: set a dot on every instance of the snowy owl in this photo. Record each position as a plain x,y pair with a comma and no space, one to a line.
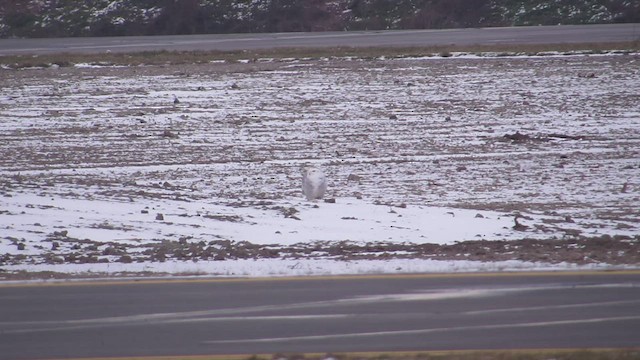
314,183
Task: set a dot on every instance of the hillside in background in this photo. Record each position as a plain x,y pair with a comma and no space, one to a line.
61,18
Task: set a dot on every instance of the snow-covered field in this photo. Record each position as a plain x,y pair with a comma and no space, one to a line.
102,171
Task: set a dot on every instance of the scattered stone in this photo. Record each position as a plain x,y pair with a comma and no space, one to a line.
565,137
625,187
517,137
288,212
110,250
169,134
70,258
159,217
222,217
574,249
518,226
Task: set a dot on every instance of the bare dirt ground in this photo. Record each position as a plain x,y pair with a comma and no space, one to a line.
557,137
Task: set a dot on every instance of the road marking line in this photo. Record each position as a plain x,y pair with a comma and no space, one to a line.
219,314
548,307
441,294
141,320
424,331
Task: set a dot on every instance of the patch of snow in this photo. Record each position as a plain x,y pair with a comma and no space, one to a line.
306,267
349,219
100,155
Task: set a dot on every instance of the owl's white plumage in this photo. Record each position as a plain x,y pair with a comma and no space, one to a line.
314,183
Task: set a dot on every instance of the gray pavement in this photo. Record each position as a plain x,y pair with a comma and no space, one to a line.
385,313
226,42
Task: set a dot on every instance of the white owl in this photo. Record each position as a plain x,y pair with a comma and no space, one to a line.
314,183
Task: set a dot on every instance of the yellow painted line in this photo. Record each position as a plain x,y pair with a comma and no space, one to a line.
152,281
376,355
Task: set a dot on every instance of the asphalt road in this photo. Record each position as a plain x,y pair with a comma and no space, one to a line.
226,42
386,313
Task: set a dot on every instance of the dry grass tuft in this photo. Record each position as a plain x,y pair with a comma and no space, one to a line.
197,57
559,354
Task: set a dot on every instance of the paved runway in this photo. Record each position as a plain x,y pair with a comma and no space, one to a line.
385,313
226,42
